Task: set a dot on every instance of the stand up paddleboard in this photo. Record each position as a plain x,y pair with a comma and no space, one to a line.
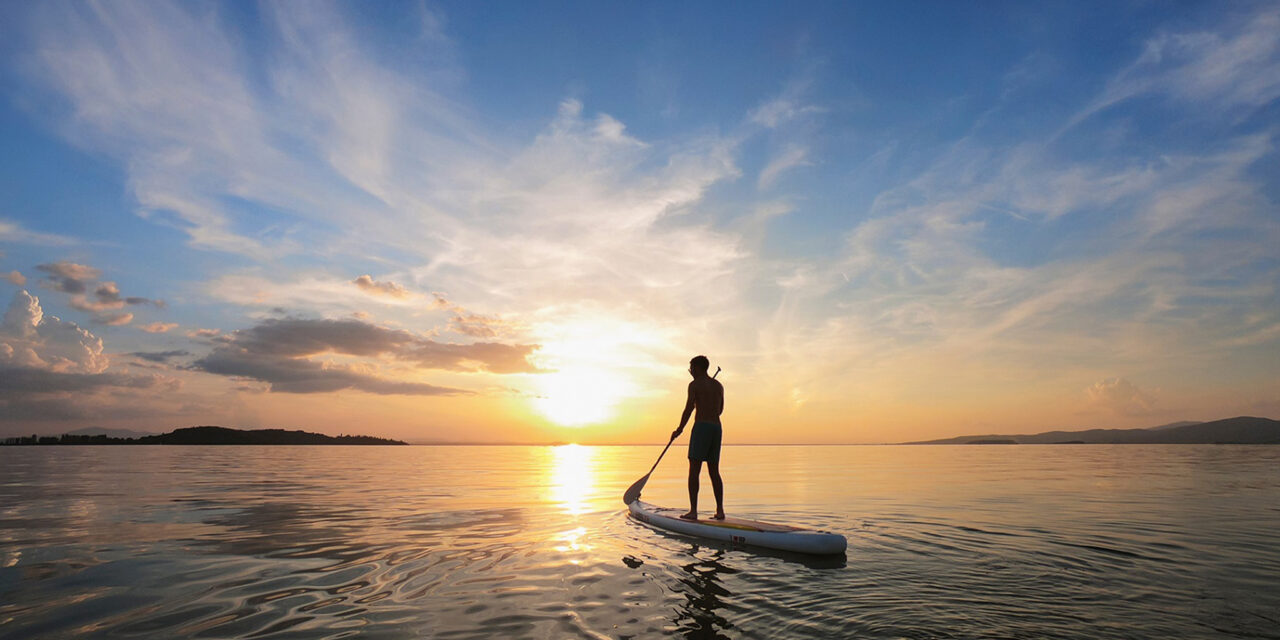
740,531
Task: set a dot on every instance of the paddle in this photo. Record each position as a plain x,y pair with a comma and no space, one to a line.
633,492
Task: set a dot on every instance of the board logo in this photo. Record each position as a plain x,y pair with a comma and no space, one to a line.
739,539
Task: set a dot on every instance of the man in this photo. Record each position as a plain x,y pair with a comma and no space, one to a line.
706,396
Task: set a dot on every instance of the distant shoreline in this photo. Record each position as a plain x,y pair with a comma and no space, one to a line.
206,435
1239,430
1242,430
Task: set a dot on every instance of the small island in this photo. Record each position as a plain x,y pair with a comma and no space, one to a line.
206,435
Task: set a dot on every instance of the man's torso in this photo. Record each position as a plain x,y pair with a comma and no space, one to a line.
708,400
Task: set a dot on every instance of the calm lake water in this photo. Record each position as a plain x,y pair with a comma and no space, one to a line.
470,542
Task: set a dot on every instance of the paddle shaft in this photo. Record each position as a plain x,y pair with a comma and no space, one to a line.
664,452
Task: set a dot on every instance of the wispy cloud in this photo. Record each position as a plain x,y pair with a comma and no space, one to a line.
1238,67
14,232
1134,256
790,158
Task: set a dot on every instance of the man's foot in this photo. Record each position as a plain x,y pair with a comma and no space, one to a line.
692,515
718,516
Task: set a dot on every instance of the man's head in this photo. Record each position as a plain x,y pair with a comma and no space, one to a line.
699,365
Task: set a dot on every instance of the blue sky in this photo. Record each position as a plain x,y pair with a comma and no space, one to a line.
885,220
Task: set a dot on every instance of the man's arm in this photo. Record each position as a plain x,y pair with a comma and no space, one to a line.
684,417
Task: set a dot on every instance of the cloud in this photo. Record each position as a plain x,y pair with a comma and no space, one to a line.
368,284
1034,260
13,232
300,375
279,352
113,319
69,277
781,110
52,369
33,394
790,158
1120,397
1237,67
159,327
26,380
160,356
204,334
471,324
29,338
77,279
14,278
108,293
321,145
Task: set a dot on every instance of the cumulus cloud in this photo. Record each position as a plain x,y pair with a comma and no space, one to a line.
1120,397
280,352
159,327
53,369
14,278
369,285
30,338
204,334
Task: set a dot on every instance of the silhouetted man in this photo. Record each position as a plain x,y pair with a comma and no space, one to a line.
706,396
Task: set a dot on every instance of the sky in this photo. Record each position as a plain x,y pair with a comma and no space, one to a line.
517,222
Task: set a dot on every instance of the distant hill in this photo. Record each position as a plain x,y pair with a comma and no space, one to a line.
1174,425
1242,430
208,435
110,433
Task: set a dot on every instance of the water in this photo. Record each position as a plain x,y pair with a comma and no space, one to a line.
465,542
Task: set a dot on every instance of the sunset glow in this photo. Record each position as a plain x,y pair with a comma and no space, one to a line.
410,222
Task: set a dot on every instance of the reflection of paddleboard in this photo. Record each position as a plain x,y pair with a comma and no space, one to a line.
737,530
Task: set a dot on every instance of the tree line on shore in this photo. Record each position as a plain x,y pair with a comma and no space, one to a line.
204,435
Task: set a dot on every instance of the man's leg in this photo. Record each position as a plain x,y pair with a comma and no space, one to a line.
695,469
717,486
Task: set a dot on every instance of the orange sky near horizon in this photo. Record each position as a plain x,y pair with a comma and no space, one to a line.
392,223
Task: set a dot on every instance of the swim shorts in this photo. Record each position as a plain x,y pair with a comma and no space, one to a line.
704,442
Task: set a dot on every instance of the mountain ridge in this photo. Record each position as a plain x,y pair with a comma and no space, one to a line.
1238,430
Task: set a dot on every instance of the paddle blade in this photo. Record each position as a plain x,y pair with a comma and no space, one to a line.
633,492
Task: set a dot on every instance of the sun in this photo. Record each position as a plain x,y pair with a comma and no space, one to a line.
592,363
579,396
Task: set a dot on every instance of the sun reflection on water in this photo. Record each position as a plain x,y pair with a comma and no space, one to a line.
572,480
572,477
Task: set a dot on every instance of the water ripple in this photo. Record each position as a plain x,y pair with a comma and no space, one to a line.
376,542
